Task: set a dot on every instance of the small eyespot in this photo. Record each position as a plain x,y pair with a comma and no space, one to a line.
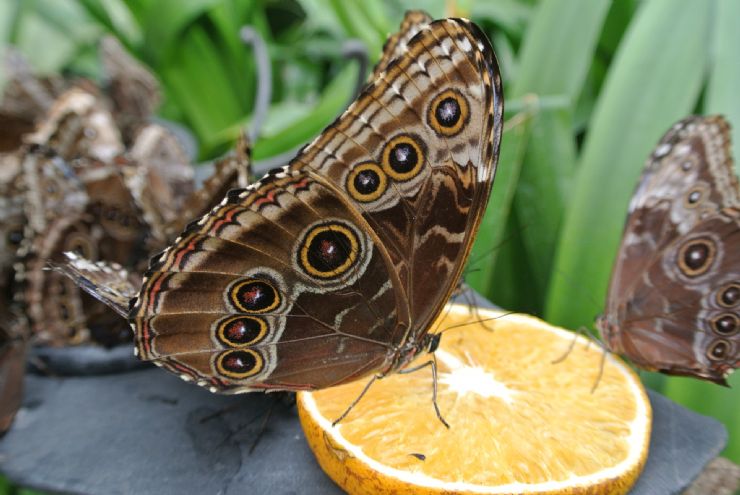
726,324
403,157
80,244
328,250
729,295
239,364
719,350
694,197
241,331
687,164
367,182
448,113
14,237
254,296
696,256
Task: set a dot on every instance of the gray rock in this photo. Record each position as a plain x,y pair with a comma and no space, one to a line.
149,432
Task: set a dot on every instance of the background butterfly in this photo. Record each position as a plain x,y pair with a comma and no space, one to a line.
674,297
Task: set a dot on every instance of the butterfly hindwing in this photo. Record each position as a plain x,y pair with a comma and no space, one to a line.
674,297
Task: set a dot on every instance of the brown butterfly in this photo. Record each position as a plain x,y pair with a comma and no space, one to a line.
131,87
25,100
12,368
79,125
334,267
674,298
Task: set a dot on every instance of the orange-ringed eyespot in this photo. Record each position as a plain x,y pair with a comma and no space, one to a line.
239,364
696,257
718,350
729,296
328,250
254,296
403,157
241,331
448,113
366,182
725,324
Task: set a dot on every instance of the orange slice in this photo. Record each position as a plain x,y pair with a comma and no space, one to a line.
519,423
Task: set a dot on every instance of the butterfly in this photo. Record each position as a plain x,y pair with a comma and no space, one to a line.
334,267
12,367
132,89
674,298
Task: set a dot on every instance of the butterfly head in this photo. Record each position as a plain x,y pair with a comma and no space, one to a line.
609,330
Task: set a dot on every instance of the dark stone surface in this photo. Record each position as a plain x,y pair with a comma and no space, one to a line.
149,432
84,360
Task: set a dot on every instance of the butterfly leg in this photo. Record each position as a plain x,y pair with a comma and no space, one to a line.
433,364
581,331
354,402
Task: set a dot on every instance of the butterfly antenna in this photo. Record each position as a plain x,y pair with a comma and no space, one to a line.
460,325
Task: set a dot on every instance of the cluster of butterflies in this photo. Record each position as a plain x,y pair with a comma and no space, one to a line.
84,169
334,267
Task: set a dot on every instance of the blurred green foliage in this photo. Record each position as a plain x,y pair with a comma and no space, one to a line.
591,85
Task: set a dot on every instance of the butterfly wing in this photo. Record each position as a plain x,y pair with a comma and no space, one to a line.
12,368
319,273
416,154
675,292
79,125
397,43
133,89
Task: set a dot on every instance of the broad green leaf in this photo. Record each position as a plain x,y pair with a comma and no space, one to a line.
333,101
512,15
197,79
554,61
493,225
116,17
164,22
655,80
724,78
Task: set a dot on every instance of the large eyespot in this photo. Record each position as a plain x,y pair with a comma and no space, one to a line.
239,364
366,182
403,157
719,350
448,113
241,331
254,296
725,324
696,256
729,295
328,250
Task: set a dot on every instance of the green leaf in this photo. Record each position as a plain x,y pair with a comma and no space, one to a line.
655,79
555,59
164,20
332,102
491,233
724,78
